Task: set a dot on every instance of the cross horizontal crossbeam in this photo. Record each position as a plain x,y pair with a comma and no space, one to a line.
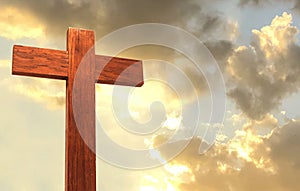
53,64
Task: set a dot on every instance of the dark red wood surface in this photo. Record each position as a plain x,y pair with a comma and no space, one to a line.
119,71
80,134
40,62
48,63
80,159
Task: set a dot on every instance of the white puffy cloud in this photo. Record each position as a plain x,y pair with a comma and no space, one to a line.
267,70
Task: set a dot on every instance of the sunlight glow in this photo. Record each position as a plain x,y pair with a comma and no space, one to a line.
169,178
148,188
177,170
172,123
16,24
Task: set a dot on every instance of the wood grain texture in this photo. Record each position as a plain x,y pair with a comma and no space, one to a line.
80,106
81,68
119,71
39,62
53,64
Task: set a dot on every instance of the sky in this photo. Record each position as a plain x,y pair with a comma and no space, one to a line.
249,49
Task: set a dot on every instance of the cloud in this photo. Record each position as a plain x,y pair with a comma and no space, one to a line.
17,23
52,18
266,71
31,142
48,92
246,162
58,15
295,3
284,145
262,75
221,50
254,2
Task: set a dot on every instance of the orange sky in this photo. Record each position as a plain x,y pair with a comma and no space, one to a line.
256,48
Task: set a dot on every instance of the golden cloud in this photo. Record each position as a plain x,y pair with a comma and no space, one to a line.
247,162
266,71
17,23
45,91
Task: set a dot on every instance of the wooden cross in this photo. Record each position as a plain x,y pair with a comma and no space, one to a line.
80,158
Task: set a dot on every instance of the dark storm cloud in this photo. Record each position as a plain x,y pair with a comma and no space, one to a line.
255,2
58,15
107,15
296,3
285,152
221,50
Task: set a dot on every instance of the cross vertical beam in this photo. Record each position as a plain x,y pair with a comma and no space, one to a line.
80,159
